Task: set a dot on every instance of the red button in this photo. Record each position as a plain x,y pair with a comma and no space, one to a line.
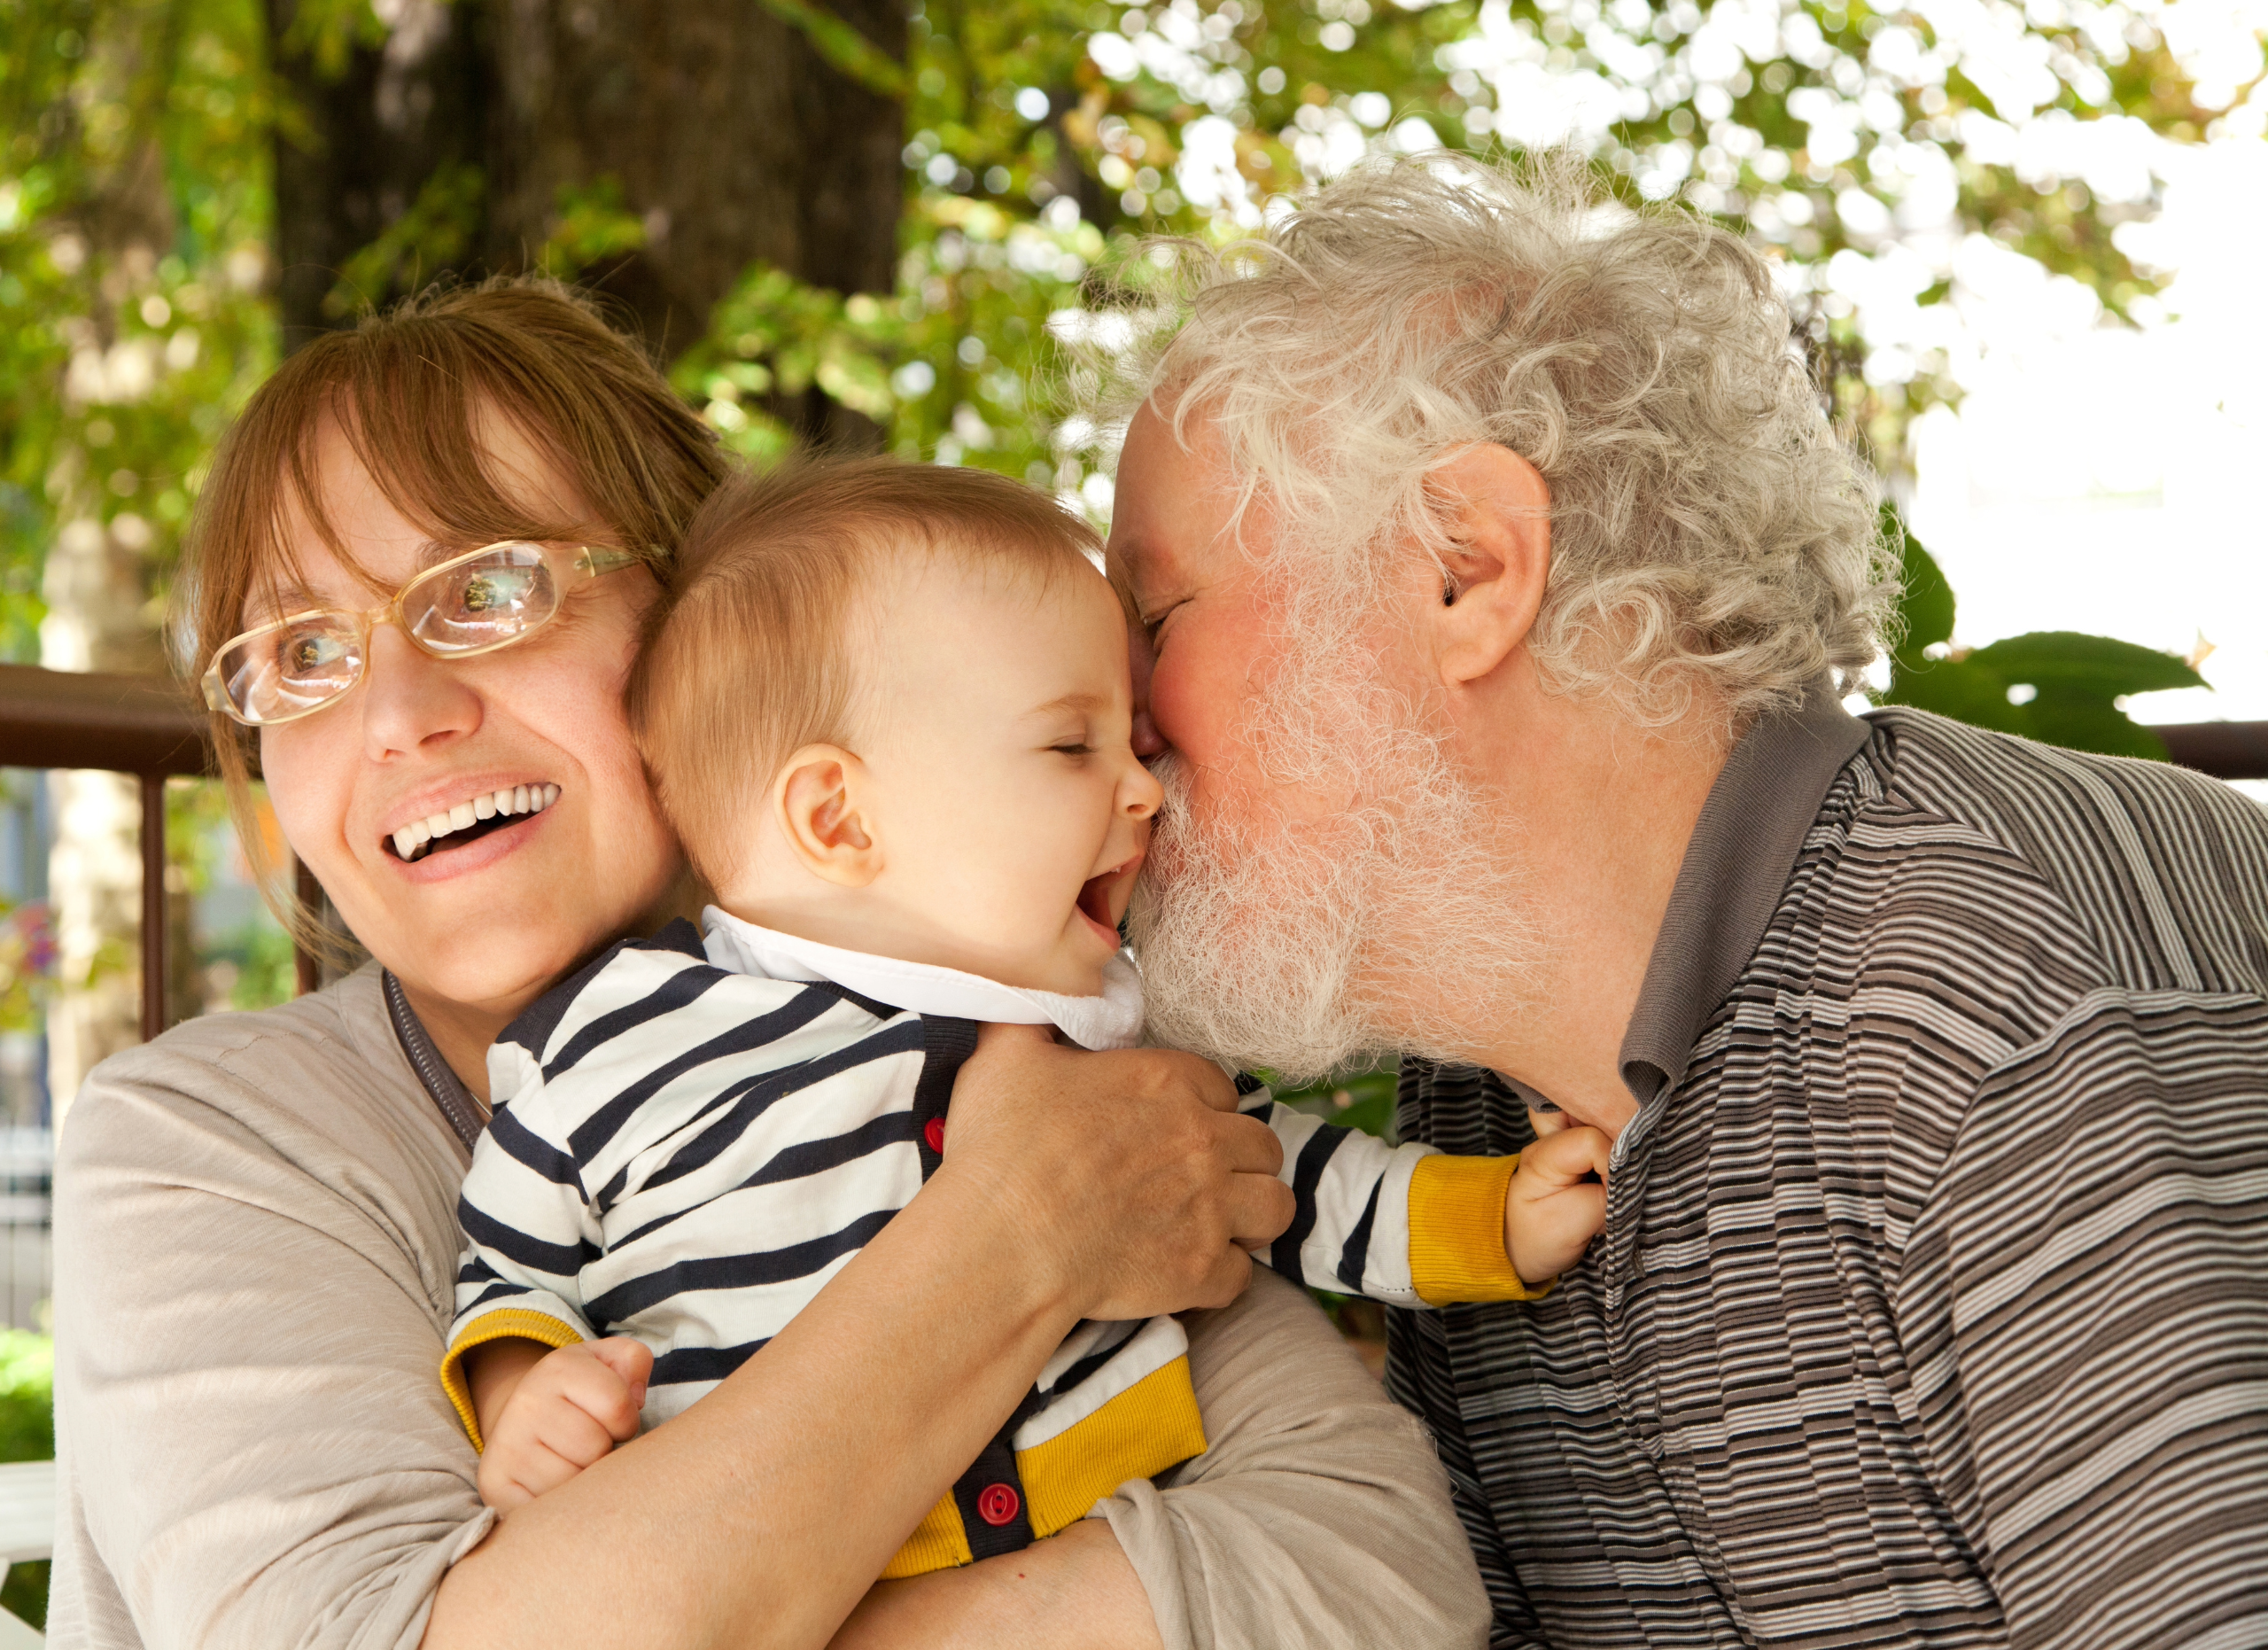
998,1504
934,1132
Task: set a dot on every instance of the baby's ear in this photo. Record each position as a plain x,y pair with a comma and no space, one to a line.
823,800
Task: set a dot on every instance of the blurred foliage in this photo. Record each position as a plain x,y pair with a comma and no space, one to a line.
27,1434
26,963
1042,134
136,206
134,215
2055,686
247,964
434,234
1353,1100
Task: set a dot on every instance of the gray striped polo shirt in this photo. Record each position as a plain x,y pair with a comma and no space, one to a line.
1933,1304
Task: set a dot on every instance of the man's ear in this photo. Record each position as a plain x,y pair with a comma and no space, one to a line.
1496,508
823,805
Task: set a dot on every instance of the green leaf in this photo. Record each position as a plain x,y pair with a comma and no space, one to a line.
844,47
590,225
2078,680
2067,663
1925,603
2059,687
1958,687
435,233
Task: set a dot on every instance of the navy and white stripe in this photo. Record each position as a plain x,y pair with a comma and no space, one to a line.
1350,1218
1932,1307
686,1155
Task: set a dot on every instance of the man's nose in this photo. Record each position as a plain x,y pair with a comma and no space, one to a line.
410,699
1140,660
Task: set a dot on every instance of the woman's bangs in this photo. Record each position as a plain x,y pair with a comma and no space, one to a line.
420,426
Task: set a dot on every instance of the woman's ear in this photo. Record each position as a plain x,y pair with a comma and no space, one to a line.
823,804
1496,509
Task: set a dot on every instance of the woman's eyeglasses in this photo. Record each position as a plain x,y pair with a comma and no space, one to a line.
476,603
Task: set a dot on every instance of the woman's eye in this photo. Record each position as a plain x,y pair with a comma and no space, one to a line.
491,591
304,655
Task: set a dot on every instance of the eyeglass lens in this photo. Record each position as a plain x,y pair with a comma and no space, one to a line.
294,666
476,604
468,607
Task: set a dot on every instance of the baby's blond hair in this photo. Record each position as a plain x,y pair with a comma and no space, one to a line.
746,660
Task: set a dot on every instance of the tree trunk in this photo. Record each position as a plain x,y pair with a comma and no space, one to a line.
715,127
356,149
97,590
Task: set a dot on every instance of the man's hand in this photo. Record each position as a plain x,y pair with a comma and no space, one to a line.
1554,1206
1136,1180
545,1418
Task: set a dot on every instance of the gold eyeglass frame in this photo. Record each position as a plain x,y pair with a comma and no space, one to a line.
587,560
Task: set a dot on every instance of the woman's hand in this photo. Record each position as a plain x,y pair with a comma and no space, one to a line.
1136,1184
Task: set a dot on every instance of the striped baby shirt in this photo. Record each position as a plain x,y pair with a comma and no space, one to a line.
692,1135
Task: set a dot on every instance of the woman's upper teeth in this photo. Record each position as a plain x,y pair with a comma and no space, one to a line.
412,837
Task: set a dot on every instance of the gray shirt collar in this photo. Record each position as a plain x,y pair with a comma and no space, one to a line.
1735,868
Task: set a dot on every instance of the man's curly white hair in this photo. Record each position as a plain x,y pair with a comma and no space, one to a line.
1708,529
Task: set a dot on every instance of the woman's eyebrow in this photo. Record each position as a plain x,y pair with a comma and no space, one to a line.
297,598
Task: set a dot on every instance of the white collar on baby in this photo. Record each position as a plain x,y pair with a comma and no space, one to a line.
1113,1020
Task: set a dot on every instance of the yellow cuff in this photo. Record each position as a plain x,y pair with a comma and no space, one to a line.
507,1323
1457,1232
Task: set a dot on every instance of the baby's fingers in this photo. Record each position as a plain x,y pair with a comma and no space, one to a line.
511,1477
603,1380
1564,1157
631,1362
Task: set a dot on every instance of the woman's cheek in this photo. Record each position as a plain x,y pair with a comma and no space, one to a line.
309,794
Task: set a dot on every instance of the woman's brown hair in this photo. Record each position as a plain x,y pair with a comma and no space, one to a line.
407,390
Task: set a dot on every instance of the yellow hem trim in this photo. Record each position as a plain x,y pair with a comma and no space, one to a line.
940,1543
1151,1425
507,1323
1457,1232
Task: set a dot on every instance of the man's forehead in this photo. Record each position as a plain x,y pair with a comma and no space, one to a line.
1175,501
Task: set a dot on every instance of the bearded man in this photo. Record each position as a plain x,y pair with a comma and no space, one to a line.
1499,583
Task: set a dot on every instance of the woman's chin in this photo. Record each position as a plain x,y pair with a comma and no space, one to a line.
495,973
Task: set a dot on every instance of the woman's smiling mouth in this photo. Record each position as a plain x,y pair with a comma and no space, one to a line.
468,821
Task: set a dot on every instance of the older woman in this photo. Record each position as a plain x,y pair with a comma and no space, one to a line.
423,562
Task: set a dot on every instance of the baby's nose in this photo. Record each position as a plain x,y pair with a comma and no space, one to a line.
1141,796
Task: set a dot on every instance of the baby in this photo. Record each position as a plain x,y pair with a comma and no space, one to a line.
888,712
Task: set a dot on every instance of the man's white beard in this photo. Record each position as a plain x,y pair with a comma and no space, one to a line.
1401,925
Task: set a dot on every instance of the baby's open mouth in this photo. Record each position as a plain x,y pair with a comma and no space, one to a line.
1094,898
468,821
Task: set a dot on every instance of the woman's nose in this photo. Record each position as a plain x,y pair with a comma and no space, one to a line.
409,698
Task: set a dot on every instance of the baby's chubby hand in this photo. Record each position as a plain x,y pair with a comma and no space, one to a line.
1553,1211
569,1407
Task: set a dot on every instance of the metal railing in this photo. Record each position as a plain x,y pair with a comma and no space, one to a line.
144,725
